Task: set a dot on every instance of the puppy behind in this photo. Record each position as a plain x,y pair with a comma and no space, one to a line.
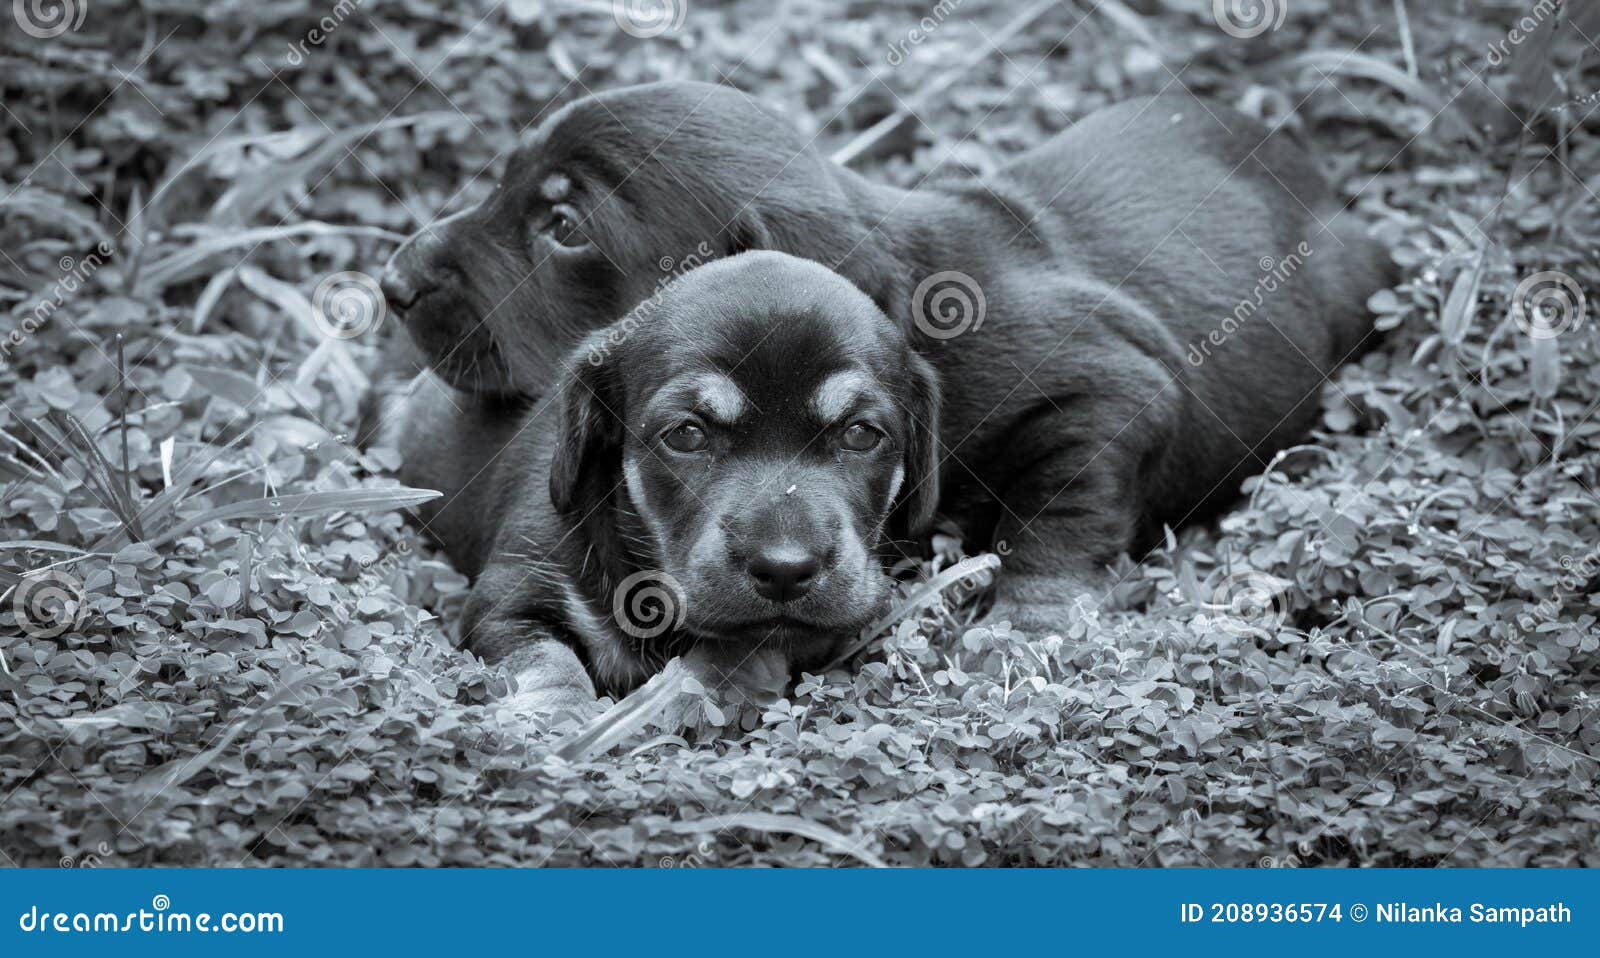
726,465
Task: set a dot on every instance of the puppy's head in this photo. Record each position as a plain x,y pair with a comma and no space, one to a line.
605,201
755,433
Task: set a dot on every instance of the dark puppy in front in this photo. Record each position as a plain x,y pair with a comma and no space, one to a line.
725,465
1129,319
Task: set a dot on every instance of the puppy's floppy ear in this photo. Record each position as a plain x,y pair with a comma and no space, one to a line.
588,452
919,492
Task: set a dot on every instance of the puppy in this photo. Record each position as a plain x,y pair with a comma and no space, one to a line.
1130,319
725,465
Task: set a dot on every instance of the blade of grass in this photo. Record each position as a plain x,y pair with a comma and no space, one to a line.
919,598
864,140
627,717
767,822
127,481
98,473
303,504
187,262
149,786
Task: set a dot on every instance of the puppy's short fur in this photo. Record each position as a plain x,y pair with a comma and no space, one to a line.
1164,288
725,464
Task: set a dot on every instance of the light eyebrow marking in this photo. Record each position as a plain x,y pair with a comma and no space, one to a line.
834,397
720,396
555,187
713,393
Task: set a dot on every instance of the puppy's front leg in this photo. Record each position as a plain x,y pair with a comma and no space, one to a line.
503,624
1070,514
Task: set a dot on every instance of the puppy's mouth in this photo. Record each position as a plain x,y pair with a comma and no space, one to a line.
788,629
471,361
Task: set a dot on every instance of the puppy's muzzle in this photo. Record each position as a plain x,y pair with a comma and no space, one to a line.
403,287
419,268
785,571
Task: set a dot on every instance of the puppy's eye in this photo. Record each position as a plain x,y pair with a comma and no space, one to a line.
686,437
562,226
860,437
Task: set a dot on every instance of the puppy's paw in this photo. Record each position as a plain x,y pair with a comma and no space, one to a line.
548,707
1044,605
758,677
550,693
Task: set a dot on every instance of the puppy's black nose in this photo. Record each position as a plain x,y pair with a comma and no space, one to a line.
783,572
399,288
